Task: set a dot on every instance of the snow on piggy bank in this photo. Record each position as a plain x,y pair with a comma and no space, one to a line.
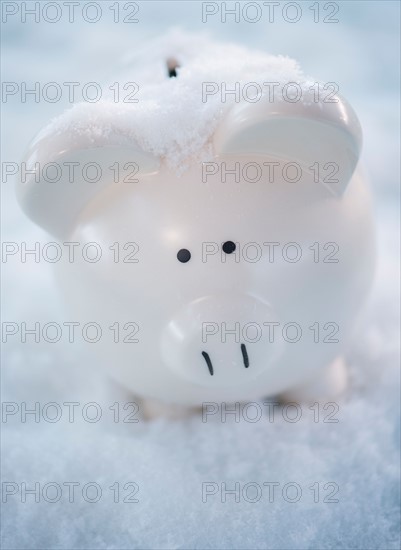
237,278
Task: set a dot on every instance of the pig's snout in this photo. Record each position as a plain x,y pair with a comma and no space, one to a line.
221,341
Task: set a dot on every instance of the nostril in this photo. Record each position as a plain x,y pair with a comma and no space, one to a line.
245,355
208,362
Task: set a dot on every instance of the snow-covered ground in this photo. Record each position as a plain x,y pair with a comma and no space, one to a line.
177,469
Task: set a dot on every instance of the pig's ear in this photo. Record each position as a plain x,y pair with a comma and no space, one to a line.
64,172
305,132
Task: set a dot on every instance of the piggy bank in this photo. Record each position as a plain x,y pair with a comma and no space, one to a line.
236,278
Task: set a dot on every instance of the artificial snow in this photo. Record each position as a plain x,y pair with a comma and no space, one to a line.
175,117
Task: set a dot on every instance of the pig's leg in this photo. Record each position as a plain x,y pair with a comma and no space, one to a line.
328,384
148,409
151,409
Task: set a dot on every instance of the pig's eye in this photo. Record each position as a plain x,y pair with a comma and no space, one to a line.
183,255
229,247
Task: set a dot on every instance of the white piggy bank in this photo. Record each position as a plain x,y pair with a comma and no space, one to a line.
240,277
